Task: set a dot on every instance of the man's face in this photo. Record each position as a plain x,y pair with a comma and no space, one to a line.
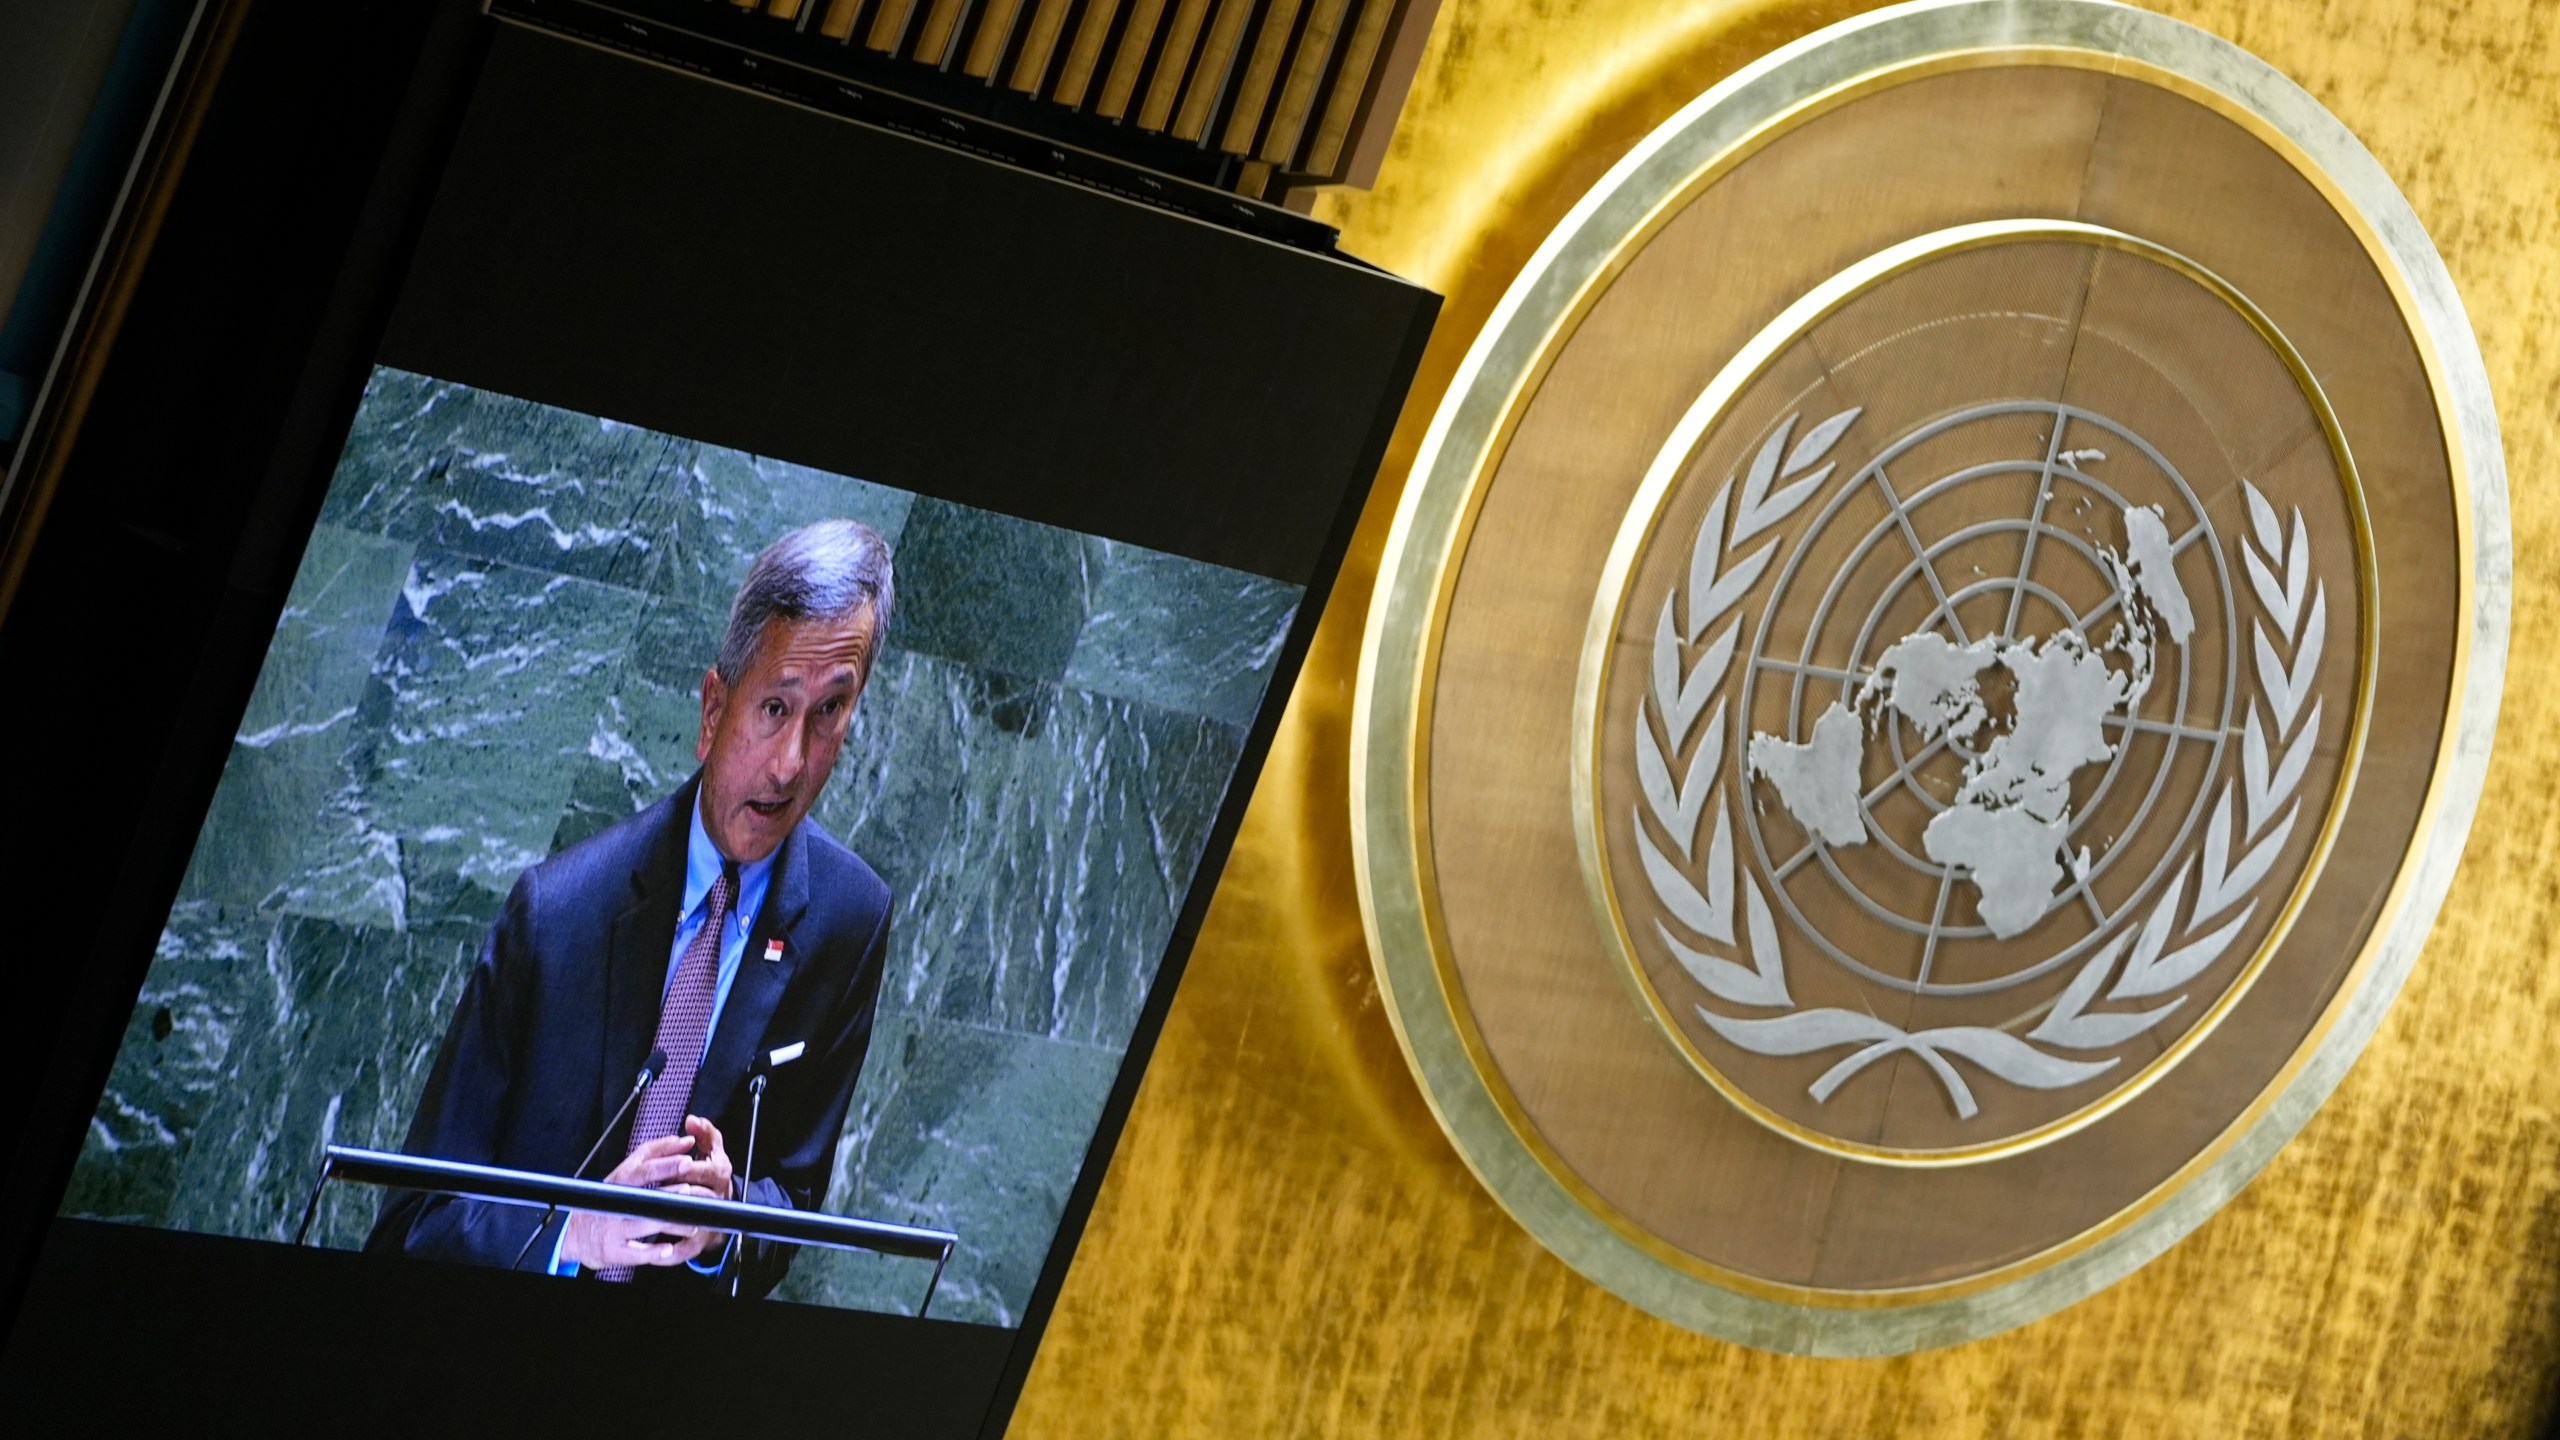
769,741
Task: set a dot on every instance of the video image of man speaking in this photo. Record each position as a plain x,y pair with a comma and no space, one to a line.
716,936
545,773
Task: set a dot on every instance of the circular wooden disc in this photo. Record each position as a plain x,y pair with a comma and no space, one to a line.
1779,987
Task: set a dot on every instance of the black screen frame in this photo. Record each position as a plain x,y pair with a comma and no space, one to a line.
276,282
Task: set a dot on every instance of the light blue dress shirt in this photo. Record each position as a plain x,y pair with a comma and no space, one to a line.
702,862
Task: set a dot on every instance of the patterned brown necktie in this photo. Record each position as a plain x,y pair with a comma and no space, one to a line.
683,1026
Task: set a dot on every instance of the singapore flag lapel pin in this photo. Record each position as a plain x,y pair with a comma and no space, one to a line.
773,950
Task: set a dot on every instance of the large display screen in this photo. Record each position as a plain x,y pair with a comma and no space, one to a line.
631,576
443,894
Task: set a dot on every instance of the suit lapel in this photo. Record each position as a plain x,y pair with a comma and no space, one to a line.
636,953
758,989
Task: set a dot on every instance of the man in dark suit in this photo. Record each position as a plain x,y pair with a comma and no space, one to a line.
720,925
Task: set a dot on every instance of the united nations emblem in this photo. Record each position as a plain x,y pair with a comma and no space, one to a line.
1931,674
1986,747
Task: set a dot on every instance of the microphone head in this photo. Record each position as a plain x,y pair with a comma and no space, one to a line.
656,1066
762,1070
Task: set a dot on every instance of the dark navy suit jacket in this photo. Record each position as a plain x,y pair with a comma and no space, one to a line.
560,1012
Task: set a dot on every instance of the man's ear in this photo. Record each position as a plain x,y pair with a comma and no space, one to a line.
715,698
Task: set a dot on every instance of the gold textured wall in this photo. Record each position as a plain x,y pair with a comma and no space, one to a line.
1286,1244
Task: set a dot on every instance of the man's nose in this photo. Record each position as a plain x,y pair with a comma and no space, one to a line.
790,756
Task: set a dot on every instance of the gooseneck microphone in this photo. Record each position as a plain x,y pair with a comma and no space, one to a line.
650,1070
763,1076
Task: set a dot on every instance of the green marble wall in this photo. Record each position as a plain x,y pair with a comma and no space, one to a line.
492,649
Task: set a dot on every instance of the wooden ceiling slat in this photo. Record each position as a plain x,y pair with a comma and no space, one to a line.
1310,65
1213,69
941,28
842,16
1290,89
1367,91
1129,57
1173,64
1311,68
889,27
1260,77
992,38
1039,41
1084,52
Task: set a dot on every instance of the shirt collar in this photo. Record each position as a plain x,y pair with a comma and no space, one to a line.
702,861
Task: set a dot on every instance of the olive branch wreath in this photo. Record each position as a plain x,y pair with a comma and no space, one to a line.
2276,751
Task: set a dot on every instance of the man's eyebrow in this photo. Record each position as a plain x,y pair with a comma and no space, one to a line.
842,674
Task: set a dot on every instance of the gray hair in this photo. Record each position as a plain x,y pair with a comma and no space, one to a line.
822,572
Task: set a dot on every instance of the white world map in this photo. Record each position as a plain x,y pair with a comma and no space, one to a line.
2009,820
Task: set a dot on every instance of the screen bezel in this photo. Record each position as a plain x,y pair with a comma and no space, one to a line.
400,87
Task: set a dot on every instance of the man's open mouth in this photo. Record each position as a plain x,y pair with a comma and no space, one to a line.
768,808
